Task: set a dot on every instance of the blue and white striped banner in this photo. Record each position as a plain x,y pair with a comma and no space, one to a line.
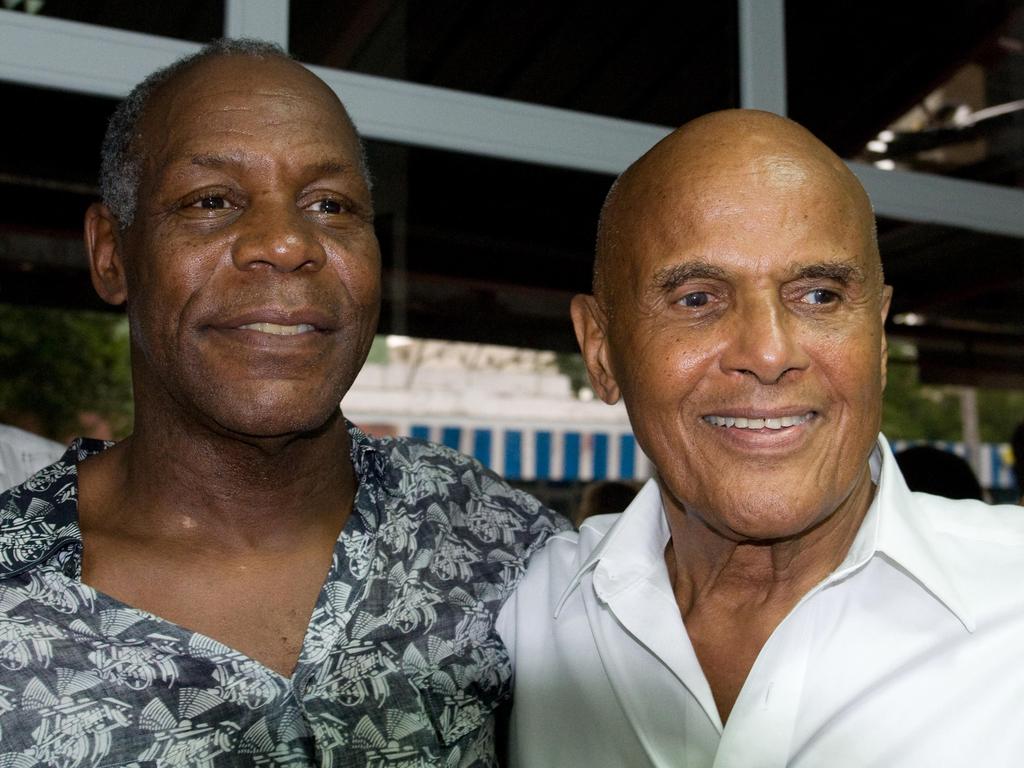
521,453
565,454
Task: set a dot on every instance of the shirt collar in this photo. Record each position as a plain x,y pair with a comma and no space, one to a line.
632,548
39,518
370,462
894,526
897,527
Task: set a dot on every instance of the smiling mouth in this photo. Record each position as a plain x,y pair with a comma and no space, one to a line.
278,330
741,422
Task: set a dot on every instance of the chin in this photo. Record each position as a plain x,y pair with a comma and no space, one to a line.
269,417
771,519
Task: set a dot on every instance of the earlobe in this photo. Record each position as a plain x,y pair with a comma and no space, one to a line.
590,323
103,246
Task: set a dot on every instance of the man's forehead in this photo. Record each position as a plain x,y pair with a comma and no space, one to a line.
228,93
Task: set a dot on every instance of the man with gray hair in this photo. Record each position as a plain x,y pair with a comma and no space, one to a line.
248,579
775,596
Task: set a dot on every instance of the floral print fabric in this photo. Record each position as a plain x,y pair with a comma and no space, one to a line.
401,664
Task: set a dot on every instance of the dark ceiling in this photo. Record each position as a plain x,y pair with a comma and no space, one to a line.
491,250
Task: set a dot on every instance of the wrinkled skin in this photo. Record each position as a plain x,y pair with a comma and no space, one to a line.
739,276
738,312
252,207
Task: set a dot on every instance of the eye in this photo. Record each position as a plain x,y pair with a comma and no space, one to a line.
695,299
820,296
326,206
212,203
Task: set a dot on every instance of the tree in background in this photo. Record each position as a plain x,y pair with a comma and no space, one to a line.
915,411
63,369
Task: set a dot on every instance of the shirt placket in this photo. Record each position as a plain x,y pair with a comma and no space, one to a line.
759,731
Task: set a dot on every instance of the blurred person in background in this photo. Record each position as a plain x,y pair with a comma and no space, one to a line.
604,497
23,453
1017,446
932,470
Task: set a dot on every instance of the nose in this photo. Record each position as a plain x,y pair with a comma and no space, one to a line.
764,342
278,237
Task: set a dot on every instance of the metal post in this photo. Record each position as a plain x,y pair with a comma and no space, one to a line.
970,431
763,55
263,19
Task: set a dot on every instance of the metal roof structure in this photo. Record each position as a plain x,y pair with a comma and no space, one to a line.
495,129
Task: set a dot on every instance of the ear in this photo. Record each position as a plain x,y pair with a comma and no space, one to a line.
103,245
886,300
590,323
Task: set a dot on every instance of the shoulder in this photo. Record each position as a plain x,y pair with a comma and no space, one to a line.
423,459
465,500
53,487
557,566
23,453
979,546
966,521
422,467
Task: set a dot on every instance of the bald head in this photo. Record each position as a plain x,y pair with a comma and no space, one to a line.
701,166
739,316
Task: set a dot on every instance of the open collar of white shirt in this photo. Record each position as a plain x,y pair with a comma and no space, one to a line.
631,554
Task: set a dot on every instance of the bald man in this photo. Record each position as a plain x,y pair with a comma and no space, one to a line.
775,596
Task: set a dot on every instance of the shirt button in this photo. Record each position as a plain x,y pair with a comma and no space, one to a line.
69,568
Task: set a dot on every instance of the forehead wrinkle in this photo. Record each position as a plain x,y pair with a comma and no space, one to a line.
325,167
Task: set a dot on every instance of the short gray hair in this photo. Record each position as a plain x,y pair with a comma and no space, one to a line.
121,158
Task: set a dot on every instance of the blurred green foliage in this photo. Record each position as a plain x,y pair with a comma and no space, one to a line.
57,364
919,411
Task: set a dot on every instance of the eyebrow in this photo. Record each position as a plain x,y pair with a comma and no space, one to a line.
841,272
668,278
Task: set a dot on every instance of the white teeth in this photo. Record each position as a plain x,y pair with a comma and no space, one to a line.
277,330
744,423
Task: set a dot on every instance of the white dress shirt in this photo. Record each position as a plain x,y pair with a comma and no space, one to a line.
23,454
911,653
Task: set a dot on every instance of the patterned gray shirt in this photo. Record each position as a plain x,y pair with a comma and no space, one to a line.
401,664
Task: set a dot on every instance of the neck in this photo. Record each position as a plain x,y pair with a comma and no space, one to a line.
705,565
183,481
733,593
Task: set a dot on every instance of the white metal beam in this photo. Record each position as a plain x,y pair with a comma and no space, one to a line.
408,113
763,55
81,57
262,19
68,55
931,199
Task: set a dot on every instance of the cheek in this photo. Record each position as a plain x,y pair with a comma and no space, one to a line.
853,367
661,369
164,283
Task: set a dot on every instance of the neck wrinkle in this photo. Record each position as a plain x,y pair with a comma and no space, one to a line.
185,484
705,566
